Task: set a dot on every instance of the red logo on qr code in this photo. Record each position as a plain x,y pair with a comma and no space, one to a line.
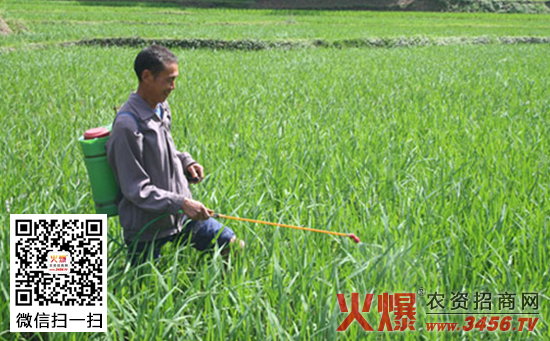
58,273
58,262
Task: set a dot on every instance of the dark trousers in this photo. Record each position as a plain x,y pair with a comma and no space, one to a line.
201,233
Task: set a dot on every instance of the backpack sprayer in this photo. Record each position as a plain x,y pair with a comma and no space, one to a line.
105,190
104,186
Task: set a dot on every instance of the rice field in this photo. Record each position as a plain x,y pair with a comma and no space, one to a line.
437,157
50,22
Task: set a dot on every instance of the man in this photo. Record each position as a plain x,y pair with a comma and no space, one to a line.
153,176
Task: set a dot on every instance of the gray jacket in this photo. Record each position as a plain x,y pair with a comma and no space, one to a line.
149,171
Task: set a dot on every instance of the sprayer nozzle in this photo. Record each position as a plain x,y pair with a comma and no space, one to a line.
354,238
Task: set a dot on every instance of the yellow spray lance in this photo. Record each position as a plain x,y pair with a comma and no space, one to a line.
349,235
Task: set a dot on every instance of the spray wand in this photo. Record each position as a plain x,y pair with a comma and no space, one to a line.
349,235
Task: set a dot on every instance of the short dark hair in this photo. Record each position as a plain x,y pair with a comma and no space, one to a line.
153,58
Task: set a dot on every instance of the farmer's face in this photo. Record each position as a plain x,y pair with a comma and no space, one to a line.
161,85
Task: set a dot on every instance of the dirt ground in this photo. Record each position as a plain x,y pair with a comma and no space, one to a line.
4,28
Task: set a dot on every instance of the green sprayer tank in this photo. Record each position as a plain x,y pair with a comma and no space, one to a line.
104,186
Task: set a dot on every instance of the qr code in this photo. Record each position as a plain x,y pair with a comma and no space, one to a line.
58,272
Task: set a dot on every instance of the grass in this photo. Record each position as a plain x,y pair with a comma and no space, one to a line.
50,22
435,156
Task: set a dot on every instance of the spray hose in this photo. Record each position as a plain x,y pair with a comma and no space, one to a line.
136,239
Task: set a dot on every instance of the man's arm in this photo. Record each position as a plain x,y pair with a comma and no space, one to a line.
125,154
193,171
186,159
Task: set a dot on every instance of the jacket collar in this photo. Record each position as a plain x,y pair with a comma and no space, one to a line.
142,108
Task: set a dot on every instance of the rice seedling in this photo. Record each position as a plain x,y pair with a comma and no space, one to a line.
435,156
49,22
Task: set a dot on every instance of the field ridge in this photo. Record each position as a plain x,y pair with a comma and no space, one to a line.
254,45
497,6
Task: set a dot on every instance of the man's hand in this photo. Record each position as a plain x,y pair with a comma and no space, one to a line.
195,172
195,210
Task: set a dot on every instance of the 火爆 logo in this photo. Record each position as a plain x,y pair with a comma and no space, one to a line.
403,306
58,262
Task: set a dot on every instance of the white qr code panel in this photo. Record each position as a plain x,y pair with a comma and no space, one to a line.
58,272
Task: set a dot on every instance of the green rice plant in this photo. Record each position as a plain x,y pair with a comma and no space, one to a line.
436,157
48,22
